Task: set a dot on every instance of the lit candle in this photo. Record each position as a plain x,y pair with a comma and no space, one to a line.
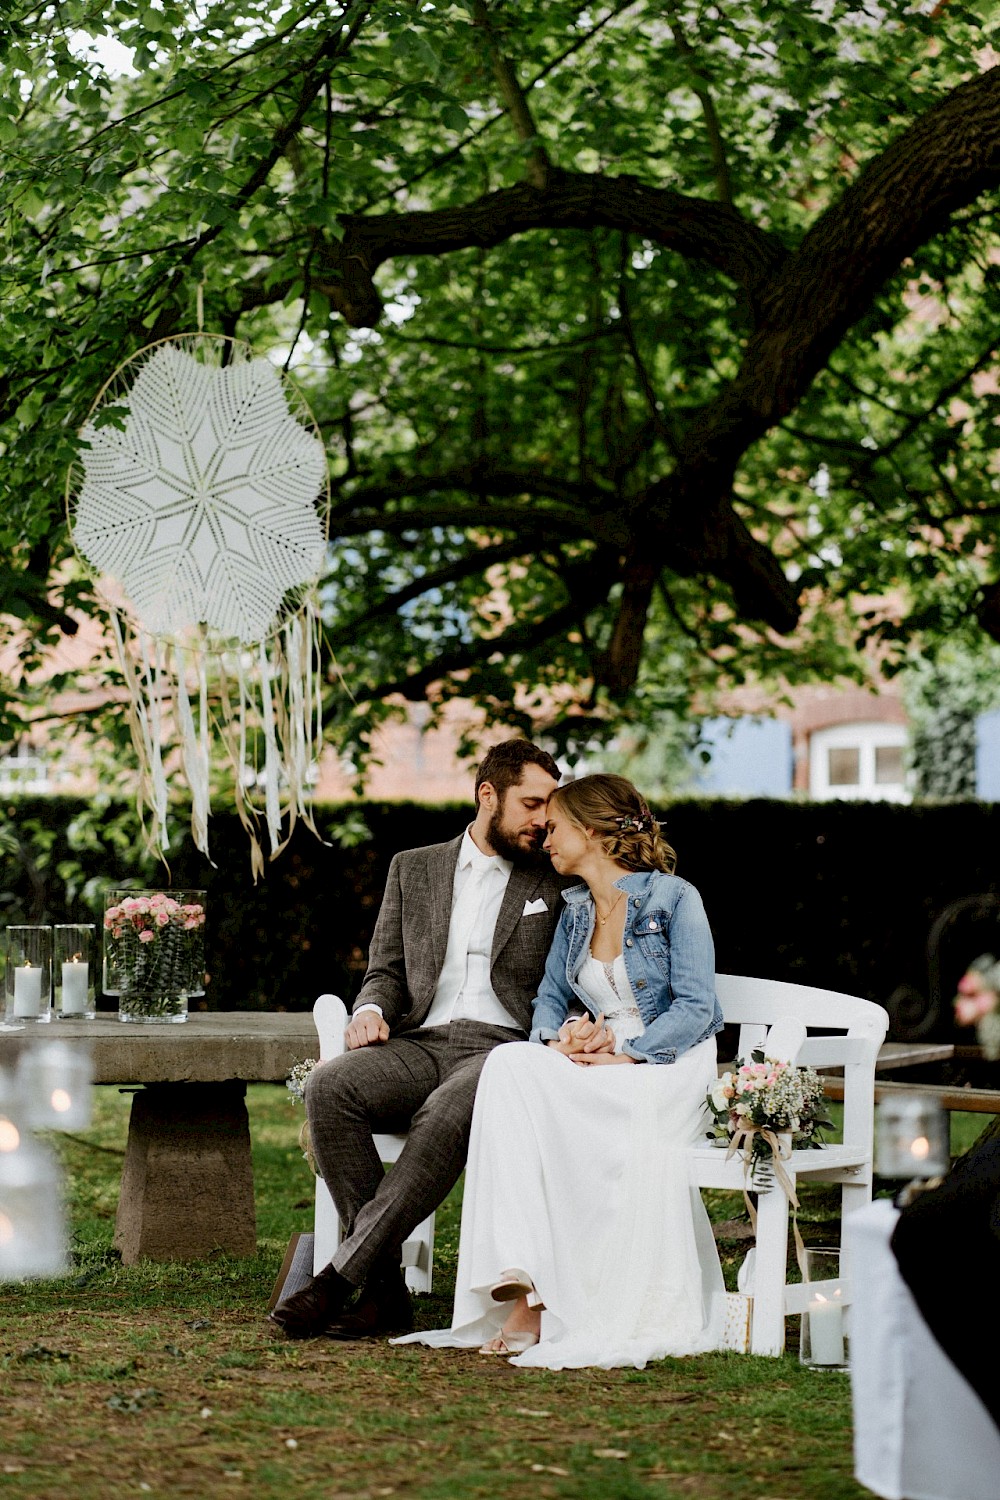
75,985
27,991
826,1331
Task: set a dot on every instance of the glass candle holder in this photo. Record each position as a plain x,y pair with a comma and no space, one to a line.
154,952
32,1221
28,977
54,1082
823,1335
73,971
911,1137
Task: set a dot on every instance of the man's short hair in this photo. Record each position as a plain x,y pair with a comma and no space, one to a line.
503,765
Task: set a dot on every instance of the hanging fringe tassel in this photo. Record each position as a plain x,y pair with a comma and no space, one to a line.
194,756
151,792
183,699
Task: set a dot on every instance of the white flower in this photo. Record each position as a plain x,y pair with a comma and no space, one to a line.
719,1097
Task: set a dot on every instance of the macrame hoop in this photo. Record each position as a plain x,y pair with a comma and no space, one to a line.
189,689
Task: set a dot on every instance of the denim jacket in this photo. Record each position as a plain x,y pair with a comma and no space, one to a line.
669,959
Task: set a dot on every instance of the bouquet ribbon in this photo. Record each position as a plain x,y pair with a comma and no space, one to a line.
742,1141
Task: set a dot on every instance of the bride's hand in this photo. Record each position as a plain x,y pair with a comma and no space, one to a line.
589,1060
584,1035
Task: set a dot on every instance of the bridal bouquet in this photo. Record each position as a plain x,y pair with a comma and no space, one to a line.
757,1101
978,1003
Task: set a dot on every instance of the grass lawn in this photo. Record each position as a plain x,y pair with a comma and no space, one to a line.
163,1380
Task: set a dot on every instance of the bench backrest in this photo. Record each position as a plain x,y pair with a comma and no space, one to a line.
860,1026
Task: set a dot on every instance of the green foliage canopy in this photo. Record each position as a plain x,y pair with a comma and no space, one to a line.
645,336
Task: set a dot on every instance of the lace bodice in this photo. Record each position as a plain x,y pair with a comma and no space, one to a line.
607,987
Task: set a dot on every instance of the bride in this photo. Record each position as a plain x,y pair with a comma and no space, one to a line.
579,1222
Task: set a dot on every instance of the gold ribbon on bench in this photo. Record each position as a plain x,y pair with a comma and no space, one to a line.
305,1142
742,1142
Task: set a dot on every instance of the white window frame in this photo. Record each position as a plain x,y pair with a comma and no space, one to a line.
865,736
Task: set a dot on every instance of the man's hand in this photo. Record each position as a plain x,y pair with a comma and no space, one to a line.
364,1029
582,1035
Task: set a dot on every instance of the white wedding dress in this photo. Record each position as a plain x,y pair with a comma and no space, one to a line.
577,1175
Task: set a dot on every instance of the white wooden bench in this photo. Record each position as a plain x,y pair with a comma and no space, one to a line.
754,1005
860,1026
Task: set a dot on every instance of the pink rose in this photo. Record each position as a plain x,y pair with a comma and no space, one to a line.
971,1008
147,936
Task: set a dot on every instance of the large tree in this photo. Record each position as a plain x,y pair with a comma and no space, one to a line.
646,337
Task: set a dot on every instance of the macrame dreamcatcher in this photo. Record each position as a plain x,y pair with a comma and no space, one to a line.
200,501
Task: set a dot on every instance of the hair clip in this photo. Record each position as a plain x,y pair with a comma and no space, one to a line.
636,824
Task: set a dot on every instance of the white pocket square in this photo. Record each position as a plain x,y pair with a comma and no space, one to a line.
532,908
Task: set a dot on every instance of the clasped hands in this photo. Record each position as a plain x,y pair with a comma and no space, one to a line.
588,1042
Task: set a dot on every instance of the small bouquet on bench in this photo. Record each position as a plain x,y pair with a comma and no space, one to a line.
978,1003
295,1083
764,1109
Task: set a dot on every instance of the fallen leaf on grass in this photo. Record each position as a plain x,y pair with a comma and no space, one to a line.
197,1323
173,1349
528,1411
42,1353
13,1468
611,1453
549,1469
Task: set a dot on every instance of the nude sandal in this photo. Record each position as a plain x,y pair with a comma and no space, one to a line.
514,1284
509,1343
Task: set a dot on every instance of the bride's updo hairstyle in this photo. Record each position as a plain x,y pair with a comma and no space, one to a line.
612,808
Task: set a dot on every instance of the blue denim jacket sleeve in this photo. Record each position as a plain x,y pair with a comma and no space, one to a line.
688,1008
555,994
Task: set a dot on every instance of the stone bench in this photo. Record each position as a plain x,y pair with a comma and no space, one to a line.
187,1181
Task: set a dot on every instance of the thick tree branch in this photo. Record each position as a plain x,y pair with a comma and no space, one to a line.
577,510
703,231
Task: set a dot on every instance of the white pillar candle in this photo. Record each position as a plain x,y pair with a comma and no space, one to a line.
27,991
826,1332
75,984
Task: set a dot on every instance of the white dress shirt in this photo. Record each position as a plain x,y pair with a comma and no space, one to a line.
464,991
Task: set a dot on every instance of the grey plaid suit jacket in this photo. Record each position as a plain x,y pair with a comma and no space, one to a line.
411,936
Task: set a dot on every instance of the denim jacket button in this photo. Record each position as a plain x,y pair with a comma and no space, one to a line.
628,942
652,925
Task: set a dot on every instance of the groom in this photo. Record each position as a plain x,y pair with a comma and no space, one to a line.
454,964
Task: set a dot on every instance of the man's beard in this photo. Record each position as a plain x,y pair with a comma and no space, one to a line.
510,848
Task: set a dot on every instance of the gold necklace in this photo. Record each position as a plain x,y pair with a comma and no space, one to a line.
601,920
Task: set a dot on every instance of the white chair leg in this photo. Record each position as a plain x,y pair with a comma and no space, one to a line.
326,1228
853,1195
418,1257
767,1334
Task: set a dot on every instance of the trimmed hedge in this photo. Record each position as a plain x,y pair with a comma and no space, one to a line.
842,895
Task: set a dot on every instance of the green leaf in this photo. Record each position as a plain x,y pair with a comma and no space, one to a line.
454,117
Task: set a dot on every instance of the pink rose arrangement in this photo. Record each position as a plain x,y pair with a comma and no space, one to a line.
764,1093
154,950
978,1003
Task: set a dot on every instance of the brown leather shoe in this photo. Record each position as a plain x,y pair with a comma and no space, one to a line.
383,1308
309,1312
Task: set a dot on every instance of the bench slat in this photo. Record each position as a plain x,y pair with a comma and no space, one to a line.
975,1101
